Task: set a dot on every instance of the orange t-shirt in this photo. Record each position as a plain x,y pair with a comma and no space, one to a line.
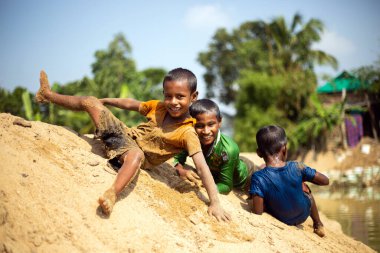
160,144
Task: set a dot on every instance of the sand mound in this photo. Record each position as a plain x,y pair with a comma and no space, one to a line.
50,179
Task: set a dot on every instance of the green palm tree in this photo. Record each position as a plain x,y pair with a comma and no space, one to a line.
274,48
292,44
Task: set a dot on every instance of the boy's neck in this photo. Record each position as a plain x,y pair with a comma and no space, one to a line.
170,120
277,160
274,161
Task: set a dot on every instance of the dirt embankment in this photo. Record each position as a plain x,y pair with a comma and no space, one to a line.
365,154
50,179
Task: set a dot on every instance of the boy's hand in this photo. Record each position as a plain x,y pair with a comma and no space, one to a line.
218,212
214,209
187,174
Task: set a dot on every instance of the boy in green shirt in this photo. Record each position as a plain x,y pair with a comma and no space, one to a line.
221,152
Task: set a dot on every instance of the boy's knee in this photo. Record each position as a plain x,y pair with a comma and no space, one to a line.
139,154
91,102
135,154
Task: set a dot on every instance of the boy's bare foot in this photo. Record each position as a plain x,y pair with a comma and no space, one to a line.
107,201
44,88
319,230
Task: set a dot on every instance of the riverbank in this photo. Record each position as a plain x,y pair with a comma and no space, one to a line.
352,167
50,179
357,209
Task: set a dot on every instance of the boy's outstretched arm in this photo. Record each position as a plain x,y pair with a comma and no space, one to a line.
320,179
122,103
208,182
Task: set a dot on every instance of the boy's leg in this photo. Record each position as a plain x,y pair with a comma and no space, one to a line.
77,103
131,160
314,214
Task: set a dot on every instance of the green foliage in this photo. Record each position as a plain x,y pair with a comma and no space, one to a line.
272,99
245,128
259,90
313,129
267,71
154,75
295,94
19,103
11,102
113,67
371,76
272,48
27,105
115,75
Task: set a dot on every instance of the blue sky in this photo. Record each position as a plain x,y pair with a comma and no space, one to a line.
61,37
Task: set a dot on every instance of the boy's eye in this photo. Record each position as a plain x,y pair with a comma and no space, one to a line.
198,126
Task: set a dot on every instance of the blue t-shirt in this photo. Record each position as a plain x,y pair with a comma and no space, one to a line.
281,189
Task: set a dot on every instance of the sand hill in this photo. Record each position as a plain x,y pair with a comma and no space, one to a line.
51,178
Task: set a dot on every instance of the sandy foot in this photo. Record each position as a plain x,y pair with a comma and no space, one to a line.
319,230
107,201
44,87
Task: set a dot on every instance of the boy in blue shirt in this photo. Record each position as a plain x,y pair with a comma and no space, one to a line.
278,188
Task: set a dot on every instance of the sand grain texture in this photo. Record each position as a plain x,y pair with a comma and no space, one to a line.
51,178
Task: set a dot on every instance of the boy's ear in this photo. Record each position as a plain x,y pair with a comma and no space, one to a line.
194,96
284,151
258,152
219,124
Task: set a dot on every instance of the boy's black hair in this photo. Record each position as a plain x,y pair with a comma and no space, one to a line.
182,74
204,106
270,139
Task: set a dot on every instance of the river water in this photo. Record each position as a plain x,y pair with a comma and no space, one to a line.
356,209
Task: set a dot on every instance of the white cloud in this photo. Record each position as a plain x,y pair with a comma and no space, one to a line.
206,17
336,44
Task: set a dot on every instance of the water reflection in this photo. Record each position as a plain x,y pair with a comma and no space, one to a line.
356,209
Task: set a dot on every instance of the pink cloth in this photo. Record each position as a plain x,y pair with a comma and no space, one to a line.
354,129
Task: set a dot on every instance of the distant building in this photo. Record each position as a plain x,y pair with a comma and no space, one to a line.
361,111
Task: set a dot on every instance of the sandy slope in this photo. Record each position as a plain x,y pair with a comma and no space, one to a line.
50,179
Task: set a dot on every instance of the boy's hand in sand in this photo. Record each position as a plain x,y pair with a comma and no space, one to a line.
186,173
218,212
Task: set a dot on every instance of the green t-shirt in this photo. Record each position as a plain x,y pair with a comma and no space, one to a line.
227,169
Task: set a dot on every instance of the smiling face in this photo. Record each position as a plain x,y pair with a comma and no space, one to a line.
178,98
207,128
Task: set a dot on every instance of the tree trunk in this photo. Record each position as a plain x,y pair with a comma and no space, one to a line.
372,116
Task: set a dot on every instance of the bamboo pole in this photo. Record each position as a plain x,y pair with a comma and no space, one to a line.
343,125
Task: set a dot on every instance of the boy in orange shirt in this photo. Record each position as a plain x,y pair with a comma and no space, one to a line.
168,131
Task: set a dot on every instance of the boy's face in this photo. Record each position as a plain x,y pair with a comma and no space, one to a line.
178,97
207,127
